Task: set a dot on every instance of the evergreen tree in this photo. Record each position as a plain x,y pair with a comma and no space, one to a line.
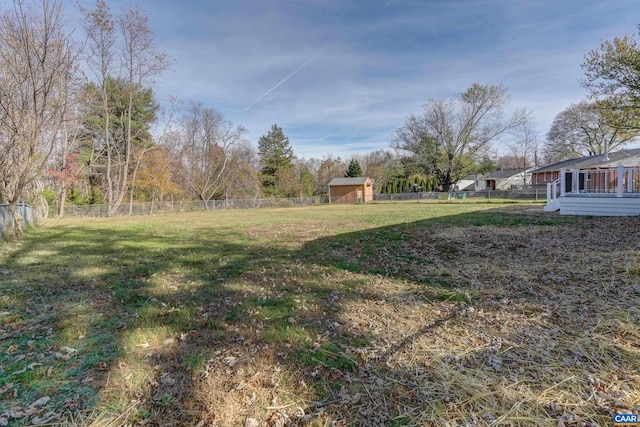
276,156
109,139
354,170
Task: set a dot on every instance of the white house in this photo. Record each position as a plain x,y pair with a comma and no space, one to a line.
503,179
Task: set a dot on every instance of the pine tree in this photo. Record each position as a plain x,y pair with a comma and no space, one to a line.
276,156
354,170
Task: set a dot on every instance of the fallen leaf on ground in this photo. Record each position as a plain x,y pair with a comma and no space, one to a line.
40,402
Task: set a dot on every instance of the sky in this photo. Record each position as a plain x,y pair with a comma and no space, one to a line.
340,77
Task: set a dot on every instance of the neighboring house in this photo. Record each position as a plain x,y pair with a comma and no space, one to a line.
351,190
549,173
503,179
466,183
594,185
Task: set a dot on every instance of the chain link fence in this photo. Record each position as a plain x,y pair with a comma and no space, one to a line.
149,208
532,194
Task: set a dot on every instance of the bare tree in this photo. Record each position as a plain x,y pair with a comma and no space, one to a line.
37,66
524,146
143,64
140,63
206,138
376,165
66,166
328,169
162,137
99,56
584,130
451,134
243,180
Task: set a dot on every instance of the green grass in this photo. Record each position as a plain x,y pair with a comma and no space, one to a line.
328,355
119,290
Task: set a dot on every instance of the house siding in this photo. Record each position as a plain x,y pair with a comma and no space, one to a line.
600,206
543,178
626,158
505,179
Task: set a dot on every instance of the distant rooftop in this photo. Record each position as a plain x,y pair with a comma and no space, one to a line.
503,173
623,157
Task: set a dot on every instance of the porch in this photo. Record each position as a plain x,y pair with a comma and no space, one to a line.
597,192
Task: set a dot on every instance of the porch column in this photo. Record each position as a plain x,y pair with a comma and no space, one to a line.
563,181
620,181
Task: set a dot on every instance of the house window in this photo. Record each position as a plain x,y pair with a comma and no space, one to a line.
537,178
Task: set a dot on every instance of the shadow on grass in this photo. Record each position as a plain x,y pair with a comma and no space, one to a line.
185,324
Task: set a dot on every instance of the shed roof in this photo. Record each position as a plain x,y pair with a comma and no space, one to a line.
349,181
626,158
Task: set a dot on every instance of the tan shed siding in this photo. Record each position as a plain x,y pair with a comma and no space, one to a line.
349,193
344,193
368,191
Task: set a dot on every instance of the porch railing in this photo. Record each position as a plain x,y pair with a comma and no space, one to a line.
614,182
553,190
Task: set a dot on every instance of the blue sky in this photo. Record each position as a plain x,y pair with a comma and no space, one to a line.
341,76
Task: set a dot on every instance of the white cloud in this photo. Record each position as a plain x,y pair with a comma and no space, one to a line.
259,62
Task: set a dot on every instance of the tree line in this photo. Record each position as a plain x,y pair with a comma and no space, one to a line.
80,123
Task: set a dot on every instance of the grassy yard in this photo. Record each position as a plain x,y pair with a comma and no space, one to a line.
378,314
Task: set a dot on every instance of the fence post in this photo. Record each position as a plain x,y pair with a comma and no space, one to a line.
620,181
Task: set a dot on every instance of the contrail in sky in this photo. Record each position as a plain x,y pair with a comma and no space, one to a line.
293,73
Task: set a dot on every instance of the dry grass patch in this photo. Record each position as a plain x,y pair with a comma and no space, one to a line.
387,315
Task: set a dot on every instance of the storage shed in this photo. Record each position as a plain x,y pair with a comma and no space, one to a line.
351,190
